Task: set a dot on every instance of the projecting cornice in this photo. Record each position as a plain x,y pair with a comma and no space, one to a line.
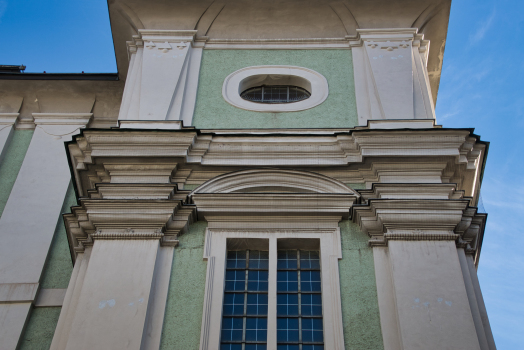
421,220
112,213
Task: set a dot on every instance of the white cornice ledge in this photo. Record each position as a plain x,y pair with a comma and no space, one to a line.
107,219
420,219
62,118
8,118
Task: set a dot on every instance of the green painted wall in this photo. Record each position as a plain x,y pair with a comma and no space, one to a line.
40,328
10,166
183,317
358,290
59,265
357,186
338,111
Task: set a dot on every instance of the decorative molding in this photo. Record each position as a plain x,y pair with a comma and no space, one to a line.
245,78
125,219
18,292
8,119
412,191
277,44
273,180
50,297
420,219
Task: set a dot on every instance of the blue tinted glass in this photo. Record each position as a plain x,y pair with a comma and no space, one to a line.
311,305
256,329
236,260
312,347
232,328
231,347
287,347
257,304
287,259
287,281
309,259
256,347
287,304
310,281
258,259
257,281
287,329
235,280
312,330
233,304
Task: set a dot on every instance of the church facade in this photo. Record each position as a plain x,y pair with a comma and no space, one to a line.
256,176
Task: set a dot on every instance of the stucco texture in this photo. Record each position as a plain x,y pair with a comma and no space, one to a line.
40,328
59,265
337,111
360,313
14,156
183,317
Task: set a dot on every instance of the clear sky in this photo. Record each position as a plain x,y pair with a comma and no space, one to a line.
481,88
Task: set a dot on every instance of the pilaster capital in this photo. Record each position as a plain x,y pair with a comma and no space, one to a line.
390,39
8,119
158,38
385,219
127,219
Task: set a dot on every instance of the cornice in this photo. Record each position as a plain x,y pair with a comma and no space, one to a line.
125,219
62,118
421,219
8,118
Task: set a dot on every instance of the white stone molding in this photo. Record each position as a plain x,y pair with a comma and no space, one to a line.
17,292
273,180
163,76
391,79
244,78
7,122
50,297
361,155
117,219
277,44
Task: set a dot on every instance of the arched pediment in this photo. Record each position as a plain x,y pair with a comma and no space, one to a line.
273,181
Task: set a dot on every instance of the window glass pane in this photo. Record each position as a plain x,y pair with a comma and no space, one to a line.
310,281
287,259
312,330
275,94
256,304
232,328
256,346
235,280
287,330
236,260
313,347
309,260
256,329
231,347
288,347
287,305
258,259
311,305
233,304
287,281
257,281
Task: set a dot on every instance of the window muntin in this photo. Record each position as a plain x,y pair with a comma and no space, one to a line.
244,322
299,301
275,94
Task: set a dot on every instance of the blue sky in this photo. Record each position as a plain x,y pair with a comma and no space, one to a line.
481,87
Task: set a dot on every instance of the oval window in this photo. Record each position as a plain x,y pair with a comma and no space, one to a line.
275,94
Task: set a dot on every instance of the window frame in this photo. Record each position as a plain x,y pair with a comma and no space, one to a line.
215,253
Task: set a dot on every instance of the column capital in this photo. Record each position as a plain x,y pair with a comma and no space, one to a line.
421,219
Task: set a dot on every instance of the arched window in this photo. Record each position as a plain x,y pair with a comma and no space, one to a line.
275,94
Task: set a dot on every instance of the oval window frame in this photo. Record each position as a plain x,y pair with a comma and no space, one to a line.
245,78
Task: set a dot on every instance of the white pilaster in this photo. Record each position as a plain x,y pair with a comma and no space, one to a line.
29,219
391,79
163,76
7,121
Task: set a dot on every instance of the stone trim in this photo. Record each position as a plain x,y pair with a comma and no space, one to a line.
18,292
50,297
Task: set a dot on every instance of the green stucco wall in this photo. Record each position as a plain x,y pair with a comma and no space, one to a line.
59,266
10,166
40,328
338,111
183,317
358,290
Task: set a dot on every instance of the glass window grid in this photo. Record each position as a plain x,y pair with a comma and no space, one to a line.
275,94
244,306
303,318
